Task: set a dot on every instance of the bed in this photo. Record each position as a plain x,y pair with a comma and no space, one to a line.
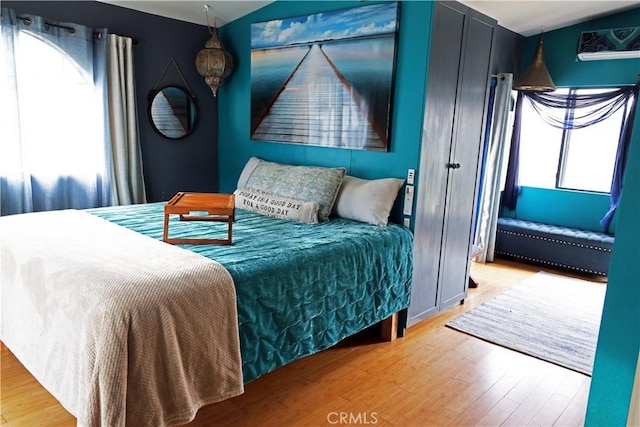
284,290
334,278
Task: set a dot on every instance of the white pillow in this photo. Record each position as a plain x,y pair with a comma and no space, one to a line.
277,206
367,200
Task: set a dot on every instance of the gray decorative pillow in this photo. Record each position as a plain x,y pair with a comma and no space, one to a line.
277,206
308,183
367,200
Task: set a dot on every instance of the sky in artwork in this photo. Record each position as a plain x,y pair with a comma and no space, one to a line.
369,20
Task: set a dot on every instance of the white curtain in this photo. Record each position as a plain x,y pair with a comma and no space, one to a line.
495,169
127,181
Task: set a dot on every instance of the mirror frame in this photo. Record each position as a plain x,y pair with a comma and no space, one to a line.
152,97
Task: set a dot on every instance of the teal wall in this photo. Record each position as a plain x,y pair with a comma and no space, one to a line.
619,339
618,343
559,207
560,54
235,146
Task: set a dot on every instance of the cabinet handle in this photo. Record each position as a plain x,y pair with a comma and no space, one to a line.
453,165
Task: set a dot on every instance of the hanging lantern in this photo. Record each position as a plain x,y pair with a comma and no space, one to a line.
536,78
213,62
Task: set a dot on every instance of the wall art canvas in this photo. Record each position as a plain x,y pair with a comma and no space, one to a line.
325,79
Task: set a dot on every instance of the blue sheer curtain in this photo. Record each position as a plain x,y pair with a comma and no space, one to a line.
621,160
15,183
40,169
485,152
587,110
511,187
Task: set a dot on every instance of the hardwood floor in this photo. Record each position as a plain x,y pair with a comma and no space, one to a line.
432,376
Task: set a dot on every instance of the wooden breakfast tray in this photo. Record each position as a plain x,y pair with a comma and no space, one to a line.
219,207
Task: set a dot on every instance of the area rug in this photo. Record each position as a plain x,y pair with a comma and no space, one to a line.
551,317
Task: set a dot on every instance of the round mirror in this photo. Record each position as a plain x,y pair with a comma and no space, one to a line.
172,111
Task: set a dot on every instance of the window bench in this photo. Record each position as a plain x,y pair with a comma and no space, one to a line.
582,250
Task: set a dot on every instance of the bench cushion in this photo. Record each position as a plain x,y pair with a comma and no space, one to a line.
582,250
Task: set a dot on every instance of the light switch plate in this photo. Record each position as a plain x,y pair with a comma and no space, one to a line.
411,176
407,222
408,200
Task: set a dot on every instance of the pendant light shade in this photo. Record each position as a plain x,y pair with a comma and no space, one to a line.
536,78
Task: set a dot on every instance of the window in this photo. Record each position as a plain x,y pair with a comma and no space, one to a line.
576,159
59,114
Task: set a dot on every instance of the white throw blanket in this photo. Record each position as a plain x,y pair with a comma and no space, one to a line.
120,328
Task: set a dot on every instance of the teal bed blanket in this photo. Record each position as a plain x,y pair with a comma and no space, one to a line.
301,288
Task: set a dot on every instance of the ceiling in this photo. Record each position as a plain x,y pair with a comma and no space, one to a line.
530,17
224,11
521,16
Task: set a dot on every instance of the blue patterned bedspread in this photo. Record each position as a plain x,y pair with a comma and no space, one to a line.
300,288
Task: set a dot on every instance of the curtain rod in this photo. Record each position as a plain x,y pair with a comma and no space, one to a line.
134,40
71,30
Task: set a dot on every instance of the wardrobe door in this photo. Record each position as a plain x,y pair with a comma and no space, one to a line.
437,131
463,165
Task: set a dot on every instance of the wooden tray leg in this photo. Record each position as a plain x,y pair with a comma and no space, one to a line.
165,231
